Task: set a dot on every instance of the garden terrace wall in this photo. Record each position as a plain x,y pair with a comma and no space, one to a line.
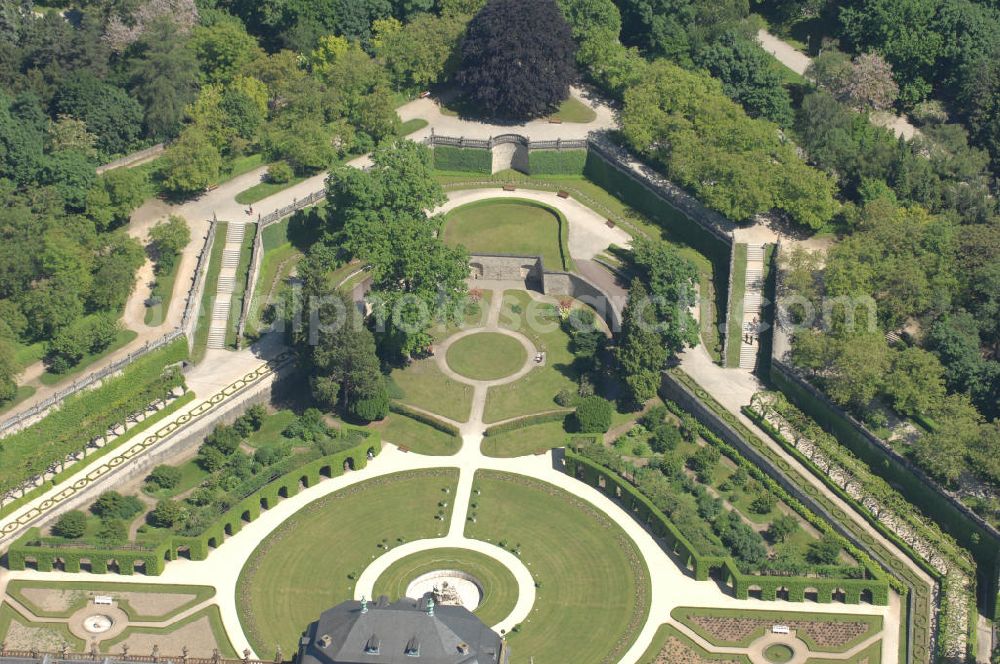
47,551
557,162
643,510
467,160
952,516
679,388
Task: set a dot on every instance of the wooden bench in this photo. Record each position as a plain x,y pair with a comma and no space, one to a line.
563,194
509,187
610,224
555,121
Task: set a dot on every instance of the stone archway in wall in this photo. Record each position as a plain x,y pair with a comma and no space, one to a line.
507,156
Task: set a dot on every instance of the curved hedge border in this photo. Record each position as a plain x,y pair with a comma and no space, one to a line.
153,559
643,510
424,418
527,421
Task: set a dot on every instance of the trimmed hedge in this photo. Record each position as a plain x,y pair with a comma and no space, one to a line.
152,558
424,418
88,415
527,421
982,544
556,162
643,510
643,199
472,160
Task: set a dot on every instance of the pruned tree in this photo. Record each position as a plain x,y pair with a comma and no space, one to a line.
517,59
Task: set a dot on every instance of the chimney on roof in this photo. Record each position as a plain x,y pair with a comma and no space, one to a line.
463,648
364,604
430,606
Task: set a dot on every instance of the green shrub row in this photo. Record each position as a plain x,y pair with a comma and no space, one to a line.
471,160
556,162
424,418
919,608
152,558
645,512
527,421
89,415
640,197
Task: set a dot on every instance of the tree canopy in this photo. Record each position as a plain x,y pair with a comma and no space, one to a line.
517,59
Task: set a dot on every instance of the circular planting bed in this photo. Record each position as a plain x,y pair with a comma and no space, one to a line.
420,571
778,653
486,356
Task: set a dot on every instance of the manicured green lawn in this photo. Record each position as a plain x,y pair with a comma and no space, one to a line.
410,126
208,293
269,434
423,385
735,328
594,589
522,442
23,392
535,392
311,561
574,110
263,189
191,476
497,582
510,226
486,356
418,437
164,289
712,276
123,338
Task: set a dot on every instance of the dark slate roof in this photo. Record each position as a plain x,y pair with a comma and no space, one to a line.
385,633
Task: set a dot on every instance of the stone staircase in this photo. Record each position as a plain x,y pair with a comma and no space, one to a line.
226,285
752,300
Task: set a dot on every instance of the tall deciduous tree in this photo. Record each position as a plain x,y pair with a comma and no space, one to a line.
518,59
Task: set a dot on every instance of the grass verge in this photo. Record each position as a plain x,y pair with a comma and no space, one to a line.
240,285
263,189
734,328
209,292
163,289
417,437
423,385
23,392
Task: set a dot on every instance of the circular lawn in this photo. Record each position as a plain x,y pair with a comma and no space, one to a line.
497,582
486,356
778,653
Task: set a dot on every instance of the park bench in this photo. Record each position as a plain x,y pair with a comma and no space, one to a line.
509,187
610,223
563,194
